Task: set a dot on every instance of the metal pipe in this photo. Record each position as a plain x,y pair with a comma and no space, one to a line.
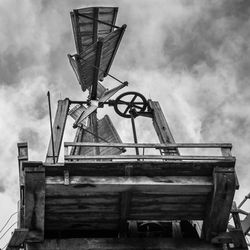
99,21
134,132
51,129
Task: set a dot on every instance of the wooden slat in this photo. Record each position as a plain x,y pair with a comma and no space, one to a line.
161,207
34,200
97,29
115,50
168,185
58,130
81,217
98,58
93,226
220,204
112,208
139,199
123,244
88,60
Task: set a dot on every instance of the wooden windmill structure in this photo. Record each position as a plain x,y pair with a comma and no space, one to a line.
101,197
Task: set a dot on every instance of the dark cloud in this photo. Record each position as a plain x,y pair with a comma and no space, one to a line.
12,63
39,109
29,135
2,187
199,38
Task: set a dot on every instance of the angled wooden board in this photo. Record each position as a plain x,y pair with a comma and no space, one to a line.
87,61
86,29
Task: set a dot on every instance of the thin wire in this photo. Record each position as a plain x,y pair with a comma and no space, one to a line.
7,221
8,230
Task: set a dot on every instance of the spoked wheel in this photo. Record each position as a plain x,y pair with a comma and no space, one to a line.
128,102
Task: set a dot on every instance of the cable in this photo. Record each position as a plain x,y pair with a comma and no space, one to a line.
8,230
7,221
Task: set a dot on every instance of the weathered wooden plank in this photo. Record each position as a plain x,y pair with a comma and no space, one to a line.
22,157
142,168
18,237
113,208
220,204
151,145
34,200
168,185
140,199
79,218
89,200
122,244
92,226
58,130
161,126
90,60
98,57
150,157
80,23
158,208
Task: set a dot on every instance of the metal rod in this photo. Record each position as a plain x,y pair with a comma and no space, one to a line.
120,148
134,133
106,103
104,71
51,128
99,21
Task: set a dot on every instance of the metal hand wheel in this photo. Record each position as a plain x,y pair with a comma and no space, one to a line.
130,102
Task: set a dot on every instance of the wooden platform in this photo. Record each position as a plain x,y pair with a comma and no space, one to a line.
90,198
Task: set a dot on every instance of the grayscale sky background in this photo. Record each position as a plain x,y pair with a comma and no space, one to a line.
191,56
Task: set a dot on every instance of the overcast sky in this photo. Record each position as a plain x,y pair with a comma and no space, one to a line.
191,56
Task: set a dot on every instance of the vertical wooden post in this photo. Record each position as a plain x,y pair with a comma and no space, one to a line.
161,127
221,199
125,200
22,156
34,200
226,152
58,130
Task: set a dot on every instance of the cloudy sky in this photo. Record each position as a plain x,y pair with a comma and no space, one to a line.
191,56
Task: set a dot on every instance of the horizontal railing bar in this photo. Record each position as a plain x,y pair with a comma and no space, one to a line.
160,157
150,145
